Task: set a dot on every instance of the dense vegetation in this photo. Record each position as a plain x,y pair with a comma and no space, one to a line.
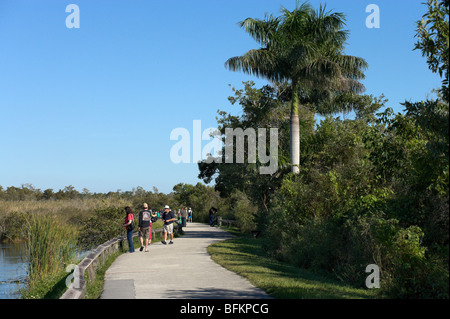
371,189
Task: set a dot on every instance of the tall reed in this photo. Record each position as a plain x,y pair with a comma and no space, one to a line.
51,246
13,214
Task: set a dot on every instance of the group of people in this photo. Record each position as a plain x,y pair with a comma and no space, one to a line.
146,218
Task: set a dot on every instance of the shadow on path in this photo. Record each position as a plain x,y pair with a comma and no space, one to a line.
218,293
213,234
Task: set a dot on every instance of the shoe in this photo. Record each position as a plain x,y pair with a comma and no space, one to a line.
141,249
164,242
171,243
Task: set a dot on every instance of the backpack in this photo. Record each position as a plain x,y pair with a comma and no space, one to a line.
152,219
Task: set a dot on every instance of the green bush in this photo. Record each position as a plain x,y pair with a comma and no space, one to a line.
317,222
243,211
104,224
408,271
12,226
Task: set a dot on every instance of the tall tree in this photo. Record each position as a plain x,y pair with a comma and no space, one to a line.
433,41
305,48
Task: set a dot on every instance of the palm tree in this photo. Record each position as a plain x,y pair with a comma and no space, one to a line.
305,48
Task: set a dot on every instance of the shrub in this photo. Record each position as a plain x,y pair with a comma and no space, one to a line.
409,272
12,226
104,224
243,211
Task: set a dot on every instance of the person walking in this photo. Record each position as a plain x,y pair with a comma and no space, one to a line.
144,226
183,216
178,215
190,215
212,211
129,224
168,217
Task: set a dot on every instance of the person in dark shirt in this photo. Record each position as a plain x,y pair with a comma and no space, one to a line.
168,217
144,226
212,211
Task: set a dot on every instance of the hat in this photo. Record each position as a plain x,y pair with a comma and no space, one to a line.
167,206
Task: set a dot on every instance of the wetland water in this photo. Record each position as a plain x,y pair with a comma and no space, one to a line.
13,269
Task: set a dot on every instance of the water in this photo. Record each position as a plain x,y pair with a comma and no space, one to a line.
13,269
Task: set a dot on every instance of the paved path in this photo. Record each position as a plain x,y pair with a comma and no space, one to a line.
183,270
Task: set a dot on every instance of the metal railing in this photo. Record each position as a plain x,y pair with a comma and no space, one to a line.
160,231
229,222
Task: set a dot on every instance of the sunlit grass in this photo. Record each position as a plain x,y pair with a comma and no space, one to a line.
245,256
50,247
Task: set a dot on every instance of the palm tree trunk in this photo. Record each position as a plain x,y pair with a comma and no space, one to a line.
295,133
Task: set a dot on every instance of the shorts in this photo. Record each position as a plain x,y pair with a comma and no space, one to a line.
145,232
168,228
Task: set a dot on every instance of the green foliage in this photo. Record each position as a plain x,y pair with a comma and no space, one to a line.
304,46
247,257
408,271
12,226
433,35
94,289
51,246
52,287
304,49
103,225
261,108
366,196
199,197
242,210
371,190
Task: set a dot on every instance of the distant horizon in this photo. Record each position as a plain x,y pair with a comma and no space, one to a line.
81,190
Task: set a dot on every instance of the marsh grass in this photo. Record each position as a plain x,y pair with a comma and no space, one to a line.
51,246
13,214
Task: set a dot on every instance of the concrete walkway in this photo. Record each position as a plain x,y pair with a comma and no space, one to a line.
183,270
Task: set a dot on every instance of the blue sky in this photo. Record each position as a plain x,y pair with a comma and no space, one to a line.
94,107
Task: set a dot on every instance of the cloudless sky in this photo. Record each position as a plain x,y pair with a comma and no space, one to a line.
94,107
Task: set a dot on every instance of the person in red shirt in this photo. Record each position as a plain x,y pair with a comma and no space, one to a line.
129,219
